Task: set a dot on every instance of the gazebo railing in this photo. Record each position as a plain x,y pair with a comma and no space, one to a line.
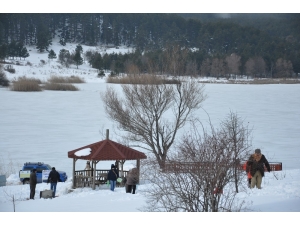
84,178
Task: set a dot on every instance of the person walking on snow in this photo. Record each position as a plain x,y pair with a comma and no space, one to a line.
53,178
132,180
256,163
33,182
112,176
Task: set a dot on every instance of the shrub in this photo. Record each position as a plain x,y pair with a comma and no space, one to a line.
42,62
8,166
3,80
60,87
101,74
65,58
26,84
60,79
10,69
113,74
28,63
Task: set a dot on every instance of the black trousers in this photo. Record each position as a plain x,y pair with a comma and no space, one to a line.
131,188
32,191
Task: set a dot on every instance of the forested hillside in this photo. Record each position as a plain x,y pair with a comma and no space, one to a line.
261,46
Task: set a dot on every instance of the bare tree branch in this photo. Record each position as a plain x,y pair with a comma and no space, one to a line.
143,111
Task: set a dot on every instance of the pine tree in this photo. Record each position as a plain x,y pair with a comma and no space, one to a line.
24,53
3,51
51,55
62,41
43,39
77,57
12,49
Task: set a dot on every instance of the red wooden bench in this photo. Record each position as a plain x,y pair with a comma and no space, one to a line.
183,167
274,166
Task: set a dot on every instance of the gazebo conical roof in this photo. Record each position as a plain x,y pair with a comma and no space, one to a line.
107,150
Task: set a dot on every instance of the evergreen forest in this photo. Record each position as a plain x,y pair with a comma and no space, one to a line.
258,45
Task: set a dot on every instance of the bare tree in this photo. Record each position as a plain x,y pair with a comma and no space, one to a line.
205,67
249,67
283,68
233,63
13,197
239,142
131,68
260,66
143,112
8,166
175,59
199,178
191,68
217,67
255,66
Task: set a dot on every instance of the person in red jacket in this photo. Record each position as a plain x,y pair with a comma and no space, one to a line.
247,169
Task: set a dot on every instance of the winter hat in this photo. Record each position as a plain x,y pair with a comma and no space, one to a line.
112,166
53,168
257,151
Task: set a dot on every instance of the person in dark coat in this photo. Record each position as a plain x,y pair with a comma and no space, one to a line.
255,166
53,178
33,182
132,180
112,176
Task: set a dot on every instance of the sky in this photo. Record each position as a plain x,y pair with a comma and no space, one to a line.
44,126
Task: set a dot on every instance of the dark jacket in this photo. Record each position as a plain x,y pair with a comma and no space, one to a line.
54,177
113,174
254,165
33,180
132,177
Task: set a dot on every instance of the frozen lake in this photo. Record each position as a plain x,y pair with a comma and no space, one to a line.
44,126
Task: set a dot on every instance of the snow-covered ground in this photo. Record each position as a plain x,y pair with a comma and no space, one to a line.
44,126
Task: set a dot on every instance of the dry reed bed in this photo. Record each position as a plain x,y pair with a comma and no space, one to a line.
55,83
60,87
64,80
26,84
140,79
256,81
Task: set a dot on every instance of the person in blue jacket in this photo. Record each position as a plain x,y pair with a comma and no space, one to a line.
112,176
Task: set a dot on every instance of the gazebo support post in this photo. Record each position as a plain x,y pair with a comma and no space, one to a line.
138,165
94,174
74,179
122,168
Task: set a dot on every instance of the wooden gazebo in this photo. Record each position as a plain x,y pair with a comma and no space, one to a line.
106,150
